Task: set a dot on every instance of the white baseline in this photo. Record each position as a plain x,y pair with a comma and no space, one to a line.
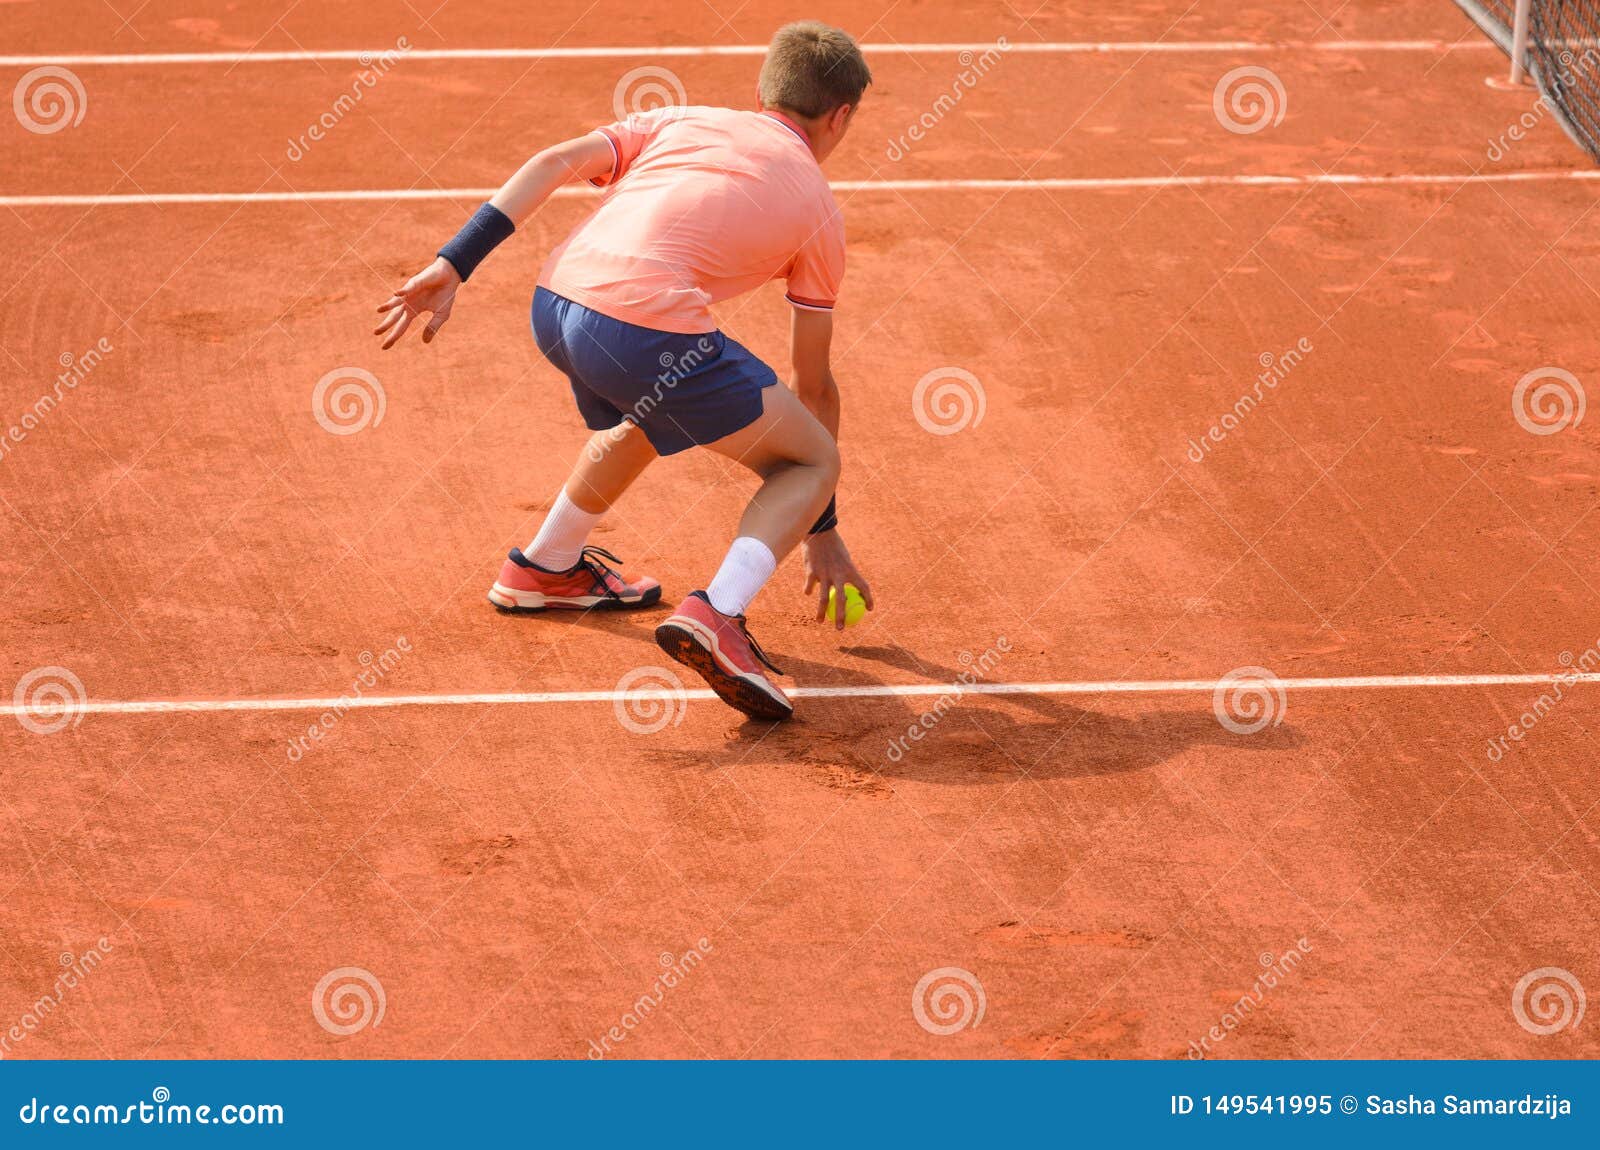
669,51
881,691
1064,184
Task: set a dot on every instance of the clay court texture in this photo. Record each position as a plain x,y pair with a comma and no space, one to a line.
1214,439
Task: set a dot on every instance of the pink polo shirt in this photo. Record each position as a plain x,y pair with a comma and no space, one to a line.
702,204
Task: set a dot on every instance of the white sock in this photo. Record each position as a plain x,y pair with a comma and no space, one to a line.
750,563
562,535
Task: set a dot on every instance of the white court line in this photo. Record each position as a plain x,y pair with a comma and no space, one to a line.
912,690
1069,47
1073,183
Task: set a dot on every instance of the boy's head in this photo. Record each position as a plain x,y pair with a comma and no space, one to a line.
815,74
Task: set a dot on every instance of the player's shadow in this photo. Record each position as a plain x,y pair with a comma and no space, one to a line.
970,740
953,739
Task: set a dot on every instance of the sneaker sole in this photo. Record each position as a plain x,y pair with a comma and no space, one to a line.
510,602
685,645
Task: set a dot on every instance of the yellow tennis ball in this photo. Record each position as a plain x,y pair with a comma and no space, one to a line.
855,607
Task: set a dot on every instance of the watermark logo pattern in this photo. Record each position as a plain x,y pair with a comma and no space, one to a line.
1249,699
49,699
647,89
1548,400
948,400
1548,1000
48,99
348,400
348,999
947,1000
1249,99
650,699
974,66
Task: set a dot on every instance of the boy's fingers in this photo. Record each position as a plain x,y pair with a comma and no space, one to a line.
389,321
393,301
400,330
434,325
866,592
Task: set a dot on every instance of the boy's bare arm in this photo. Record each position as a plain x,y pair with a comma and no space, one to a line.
585,158
433,289
810,336
828,565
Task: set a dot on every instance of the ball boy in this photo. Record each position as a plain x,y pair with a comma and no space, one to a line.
701,205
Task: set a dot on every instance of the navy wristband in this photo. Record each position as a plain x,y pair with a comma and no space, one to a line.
485,231
829,520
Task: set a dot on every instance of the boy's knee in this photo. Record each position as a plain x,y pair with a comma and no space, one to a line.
828,462
817,453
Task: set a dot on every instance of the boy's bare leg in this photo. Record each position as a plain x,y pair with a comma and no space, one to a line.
798,463
607,466
554,570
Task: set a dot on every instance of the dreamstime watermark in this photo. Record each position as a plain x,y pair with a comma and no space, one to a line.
74,969
1274,370
1571,673
1249,99
974,66
675,367
647,89
1249,699
1548,1000
160,1110
373,69
348,999
947,1000
49,699
675,969
1548,400
48,99
374,669
1275,967
348,400
948,400
1571,70
649,699
974,668
77,368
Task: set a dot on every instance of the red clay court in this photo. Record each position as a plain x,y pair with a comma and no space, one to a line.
1079,500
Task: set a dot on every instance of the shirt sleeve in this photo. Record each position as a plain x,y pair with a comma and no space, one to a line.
818,267
628,138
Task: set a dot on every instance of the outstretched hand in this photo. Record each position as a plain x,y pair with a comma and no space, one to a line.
828,568
431,290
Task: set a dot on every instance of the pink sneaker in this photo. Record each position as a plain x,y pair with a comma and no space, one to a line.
720,648
589,583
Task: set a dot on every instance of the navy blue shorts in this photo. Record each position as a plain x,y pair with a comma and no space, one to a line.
681,390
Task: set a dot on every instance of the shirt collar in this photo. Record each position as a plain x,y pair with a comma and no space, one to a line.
790,124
